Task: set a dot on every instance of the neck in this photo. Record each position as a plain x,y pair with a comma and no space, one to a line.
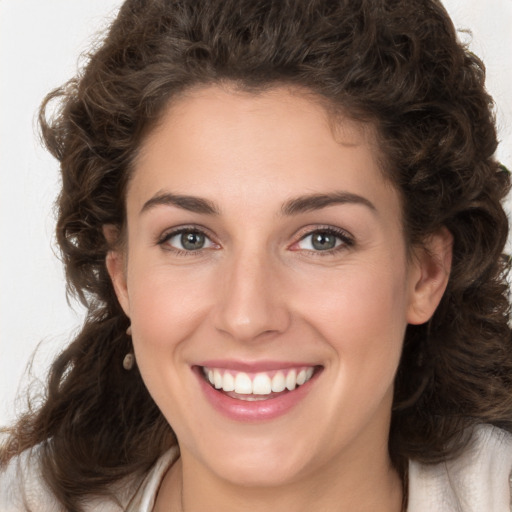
374,486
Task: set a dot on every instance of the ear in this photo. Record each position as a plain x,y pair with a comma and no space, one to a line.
116,266
429,276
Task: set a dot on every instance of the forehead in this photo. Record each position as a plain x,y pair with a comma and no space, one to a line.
233,103
212,139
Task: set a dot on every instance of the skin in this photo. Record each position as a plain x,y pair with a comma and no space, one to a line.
258,290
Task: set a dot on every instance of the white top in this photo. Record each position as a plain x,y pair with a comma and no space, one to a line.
479,480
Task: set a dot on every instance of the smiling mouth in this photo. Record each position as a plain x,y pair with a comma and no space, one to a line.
257,386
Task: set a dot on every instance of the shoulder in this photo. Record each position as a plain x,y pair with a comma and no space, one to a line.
23,488
478,480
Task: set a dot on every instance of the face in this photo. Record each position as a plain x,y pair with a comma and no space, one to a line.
268,285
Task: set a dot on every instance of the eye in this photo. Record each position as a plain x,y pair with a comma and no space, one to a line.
324,240
187,240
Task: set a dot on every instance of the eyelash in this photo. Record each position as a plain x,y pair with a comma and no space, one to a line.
186,229
347,240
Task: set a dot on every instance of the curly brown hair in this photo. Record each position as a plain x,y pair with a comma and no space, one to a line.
396,64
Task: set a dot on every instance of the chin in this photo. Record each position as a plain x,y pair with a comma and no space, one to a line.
258,473
250,461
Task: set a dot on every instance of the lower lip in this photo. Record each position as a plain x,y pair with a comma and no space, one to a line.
259,410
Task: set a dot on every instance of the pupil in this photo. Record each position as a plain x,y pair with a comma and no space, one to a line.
192,241
324,241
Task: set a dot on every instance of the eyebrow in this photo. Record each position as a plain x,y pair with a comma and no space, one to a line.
318,201
190,203
294,206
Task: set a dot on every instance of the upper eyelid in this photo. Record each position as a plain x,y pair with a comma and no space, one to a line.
170,232
348,241
342,233
299,234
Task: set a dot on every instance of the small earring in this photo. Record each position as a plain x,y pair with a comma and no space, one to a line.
128,361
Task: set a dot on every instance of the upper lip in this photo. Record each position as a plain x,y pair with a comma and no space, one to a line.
253,366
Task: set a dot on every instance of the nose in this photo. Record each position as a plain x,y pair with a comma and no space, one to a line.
251,304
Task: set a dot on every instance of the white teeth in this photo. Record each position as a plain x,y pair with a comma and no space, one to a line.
217,379
291,380
260,384
278,382
243,384
301,377
228,383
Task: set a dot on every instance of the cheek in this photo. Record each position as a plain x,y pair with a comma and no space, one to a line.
166,305
362,318
361,312
165,308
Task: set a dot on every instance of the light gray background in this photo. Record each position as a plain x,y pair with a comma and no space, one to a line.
40,44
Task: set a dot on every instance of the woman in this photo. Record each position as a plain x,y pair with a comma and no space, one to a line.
284,219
